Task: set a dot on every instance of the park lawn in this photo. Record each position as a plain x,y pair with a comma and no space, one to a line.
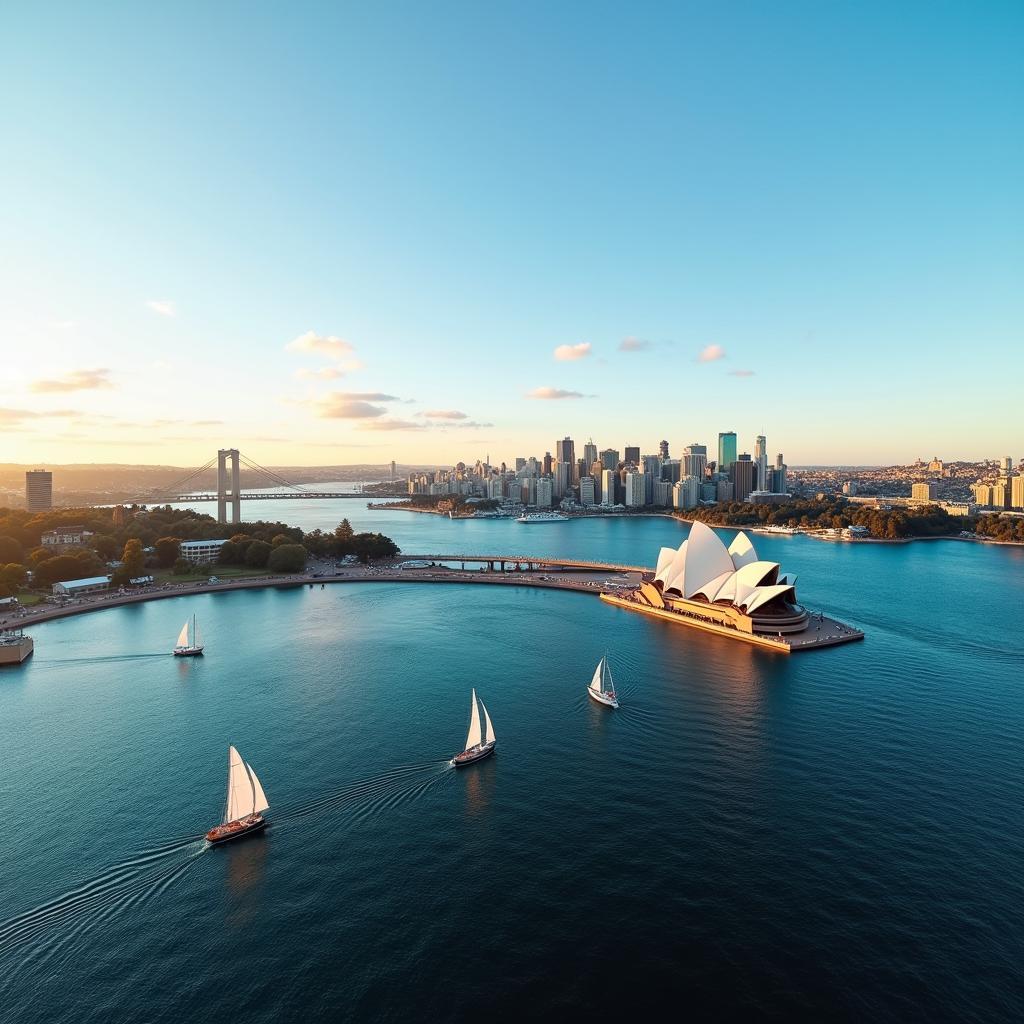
26,600
222,572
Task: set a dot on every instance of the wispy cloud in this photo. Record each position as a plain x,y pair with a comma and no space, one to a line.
13,417
328,346
710,353
324,373
76,380
569,353
632,344
443,414
342,409
553,394
165,307
366,396
741,373
393,425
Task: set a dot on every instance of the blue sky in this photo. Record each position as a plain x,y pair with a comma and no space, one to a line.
826,196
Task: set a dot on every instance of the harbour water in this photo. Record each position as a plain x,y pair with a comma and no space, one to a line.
833,835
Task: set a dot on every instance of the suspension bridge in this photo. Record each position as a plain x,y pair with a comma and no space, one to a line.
229,494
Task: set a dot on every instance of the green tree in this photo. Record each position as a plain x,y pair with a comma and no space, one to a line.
257,554
371,546
287,558
10,550
230,554
167,551
182,567
133,559
281,538
343,537
13,574
106,547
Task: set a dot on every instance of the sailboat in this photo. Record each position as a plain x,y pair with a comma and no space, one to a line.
597,688
186,647
479,742
243,805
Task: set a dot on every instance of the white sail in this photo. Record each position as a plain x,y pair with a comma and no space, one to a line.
611,682
241,798
595,683
261,803
183,636
489,736
474,725
195,632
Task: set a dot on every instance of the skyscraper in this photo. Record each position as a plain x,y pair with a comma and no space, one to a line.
632,455
609,458
38,490
779,483
742,477
761,460
695,460
663,451
587,491
636,490
546,470
608,487
652,466
565,451
726,451
590,452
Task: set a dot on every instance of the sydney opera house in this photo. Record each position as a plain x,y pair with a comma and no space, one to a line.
729,590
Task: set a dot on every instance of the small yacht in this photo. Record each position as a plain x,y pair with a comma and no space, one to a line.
543,517
189,646
602,686
244,804
480,741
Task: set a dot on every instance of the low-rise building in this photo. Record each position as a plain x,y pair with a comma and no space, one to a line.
201,552
74,588
65,536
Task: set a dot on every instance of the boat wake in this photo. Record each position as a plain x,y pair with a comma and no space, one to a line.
48,935
102,659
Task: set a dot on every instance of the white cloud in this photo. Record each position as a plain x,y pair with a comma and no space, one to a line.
165,307
710,353
568,353
392,425
443,414
329,346
76,380
553,394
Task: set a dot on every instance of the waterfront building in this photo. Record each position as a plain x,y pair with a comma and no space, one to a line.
926,491
636,490
742,477
726,451
588,493
982,494
528,492
609,458
708,490
1001,493
761,460
496,488
695,460
725,491
75,588
632,457
590,453
545,492
662,493
686,493
1017,492
608,478
38,490
201,552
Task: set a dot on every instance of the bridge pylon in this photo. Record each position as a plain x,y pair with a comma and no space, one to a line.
222,486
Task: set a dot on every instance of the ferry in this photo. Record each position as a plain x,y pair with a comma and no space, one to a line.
543,517
15,646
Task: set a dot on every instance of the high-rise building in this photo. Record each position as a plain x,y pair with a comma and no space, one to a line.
725,491
1017,491
636,490
926,491
565,451
38,490
686,493
119,516
663,493
761,460
588,495
742,477
608,477
544,492
632,457
652,466
672,470
663,451
726,451
695,460
982,494
563,478
546,464
609,458
779,474
590,452
850,487
1006,465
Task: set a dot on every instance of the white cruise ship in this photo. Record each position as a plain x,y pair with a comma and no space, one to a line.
543,517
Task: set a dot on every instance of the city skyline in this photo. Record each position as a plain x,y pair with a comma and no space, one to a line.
303,257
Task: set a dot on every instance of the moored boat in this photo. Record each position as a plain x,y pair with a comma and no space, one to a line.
480,741
15,646
602,686
543,517
189,646
244,804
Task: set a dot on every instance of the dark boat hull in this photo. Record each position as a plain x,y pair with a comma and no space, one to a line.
224,834
465,758
189,654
